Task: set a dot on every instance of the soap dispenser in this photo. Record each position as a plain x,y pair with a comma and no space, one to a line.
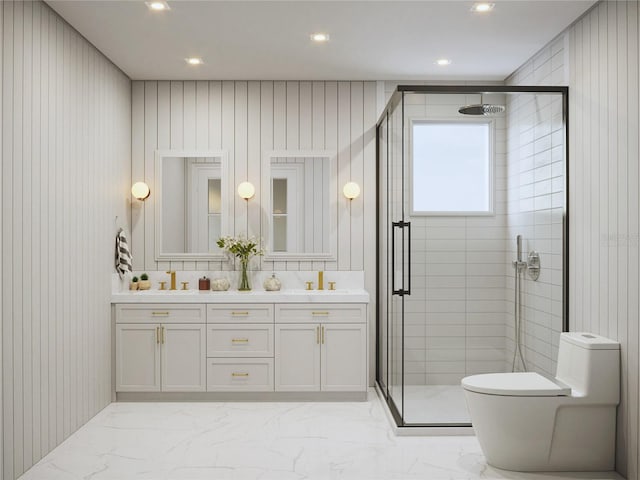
272,284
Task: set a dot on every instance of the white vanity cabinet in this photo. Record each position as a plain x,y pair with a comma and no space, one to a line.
160,348
321,348
247,348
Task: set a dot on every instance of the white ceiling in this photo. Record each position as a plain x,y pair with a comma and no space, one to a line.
370,40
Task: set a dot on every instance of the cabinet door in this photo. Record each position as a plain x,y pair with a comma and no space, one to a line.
297,358
137,358
344,357
184,357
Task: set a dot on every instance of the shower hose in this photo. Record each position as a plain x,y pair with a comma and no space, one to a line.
517,315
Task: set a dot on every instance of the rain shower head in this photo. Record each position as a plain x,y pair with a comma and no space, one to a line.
481,109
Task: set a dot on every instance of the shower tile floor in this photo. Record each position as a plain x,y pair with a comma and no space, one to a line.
435,404
266,441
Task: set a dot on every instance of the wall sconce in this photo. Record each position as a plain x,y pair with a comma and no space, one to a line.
246,190
141,191
351,190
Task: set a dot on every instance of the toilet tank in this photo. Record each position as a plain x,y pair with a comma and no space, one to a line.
590,365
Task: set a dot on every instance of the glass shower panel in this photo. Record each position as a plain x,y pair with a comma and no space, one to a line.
396,254
384,260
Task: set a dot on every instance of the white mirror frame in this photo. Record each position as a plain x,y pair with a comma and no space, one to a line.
226,189
333,205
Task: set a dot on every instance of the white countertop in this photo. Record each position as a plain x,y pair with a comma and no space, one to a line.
356,295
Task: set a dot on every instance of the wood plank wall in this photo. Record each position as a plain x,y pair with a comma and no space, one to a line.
66,132
247,118
604,210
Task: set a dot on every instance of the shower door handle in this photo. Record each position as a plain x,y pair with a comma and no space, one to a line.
407,291
401,226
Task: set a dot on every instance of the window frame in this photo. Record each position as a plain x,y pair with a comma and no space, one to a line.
491,122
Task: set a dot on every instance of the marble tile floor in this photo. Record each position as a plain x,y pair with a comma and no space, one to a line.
265,441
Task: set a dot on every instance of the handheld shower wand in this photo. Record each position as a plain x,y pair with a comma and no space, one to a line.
519,266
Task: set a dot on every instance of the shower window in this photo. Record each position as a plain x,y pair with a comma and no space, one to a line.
450,176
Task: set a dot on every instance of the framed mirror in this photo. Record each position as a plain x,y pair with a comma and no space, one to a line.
299,200
192,204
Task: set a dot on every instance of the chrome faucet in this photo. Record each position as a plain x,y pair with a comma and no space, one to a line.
173,279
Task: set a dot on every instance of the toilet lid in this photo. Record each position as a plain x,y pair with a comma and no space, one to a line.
521,384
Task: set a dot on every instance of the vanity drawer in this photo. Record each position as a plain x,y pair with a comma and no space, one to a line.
160,313
245,340
240,313
240,375
322,313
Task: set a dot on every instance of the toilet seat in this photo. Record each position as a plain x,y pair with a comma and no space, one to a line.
520,384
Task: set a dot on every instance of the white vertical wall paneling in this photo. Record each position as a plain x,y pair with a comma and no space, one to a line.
344,167
150,143
138,213
63,135
305,135
331,127
164,133
317,133
18,212
189,132
215,131
27,357
2,219
43,263
254,158
368,199
634,233
240,163
603,199
356,174
51,226
292,122
202,134
280,113
266,144
612,155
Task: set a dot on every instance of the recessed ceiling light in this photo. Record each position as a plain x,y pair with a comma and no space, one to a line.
194,61
320,37
443,62
158,6
482,7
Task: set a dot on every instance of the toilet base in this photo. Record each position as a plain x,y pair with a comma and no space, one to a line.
538,434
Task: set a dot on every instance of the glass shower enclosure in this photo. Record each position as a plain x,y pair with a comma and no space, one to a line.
462,171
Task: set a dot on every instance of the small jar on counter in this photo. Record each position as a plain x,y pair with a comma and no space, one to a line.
204,283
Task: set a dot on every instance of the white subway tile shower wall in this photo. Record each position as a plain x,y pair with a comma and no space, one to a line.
535,168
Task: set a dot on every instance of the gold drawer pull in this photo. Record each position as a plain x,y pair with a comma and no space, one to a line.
236,374
322,330
160,313
158,335
239,340
319,313
239,313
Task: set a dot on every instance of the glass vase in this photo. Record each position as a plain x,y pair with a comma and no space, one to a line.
244,279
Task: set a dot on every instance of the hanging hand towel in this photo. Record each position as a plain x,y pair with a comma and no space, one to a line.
123,256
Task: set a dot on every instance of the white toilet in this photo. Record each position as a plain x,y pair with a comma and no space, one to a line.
528,422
